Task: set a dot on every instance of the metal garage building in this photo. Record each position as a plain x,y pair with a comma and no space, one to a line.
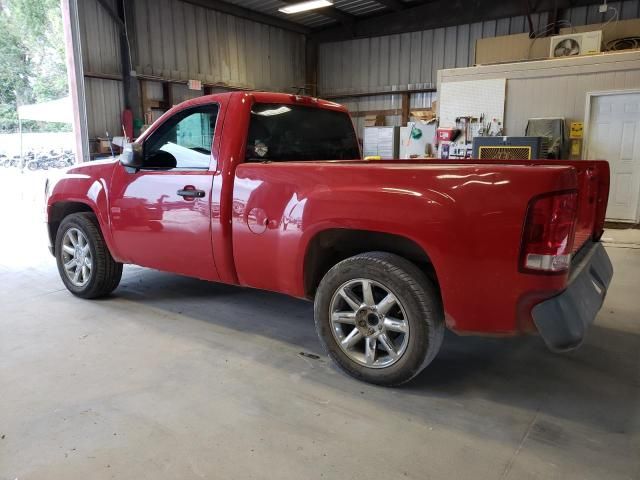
141,54
123,357
355,52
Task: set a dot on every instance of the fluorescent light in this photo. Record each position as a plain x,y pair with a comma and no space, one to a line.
304,6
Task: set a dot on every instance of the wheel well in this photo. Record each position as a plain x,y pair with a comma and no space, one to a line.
332,246
58,212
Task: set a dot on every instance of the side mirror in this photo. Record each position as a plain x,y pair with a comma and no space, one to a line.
132,156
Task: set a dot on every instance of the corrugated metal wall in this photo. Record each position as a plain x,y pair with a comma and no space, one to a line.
99,36
411,60
177,40
105,103
100,56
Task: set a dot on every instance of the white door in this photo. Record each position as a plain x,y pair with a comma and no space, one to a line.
614,135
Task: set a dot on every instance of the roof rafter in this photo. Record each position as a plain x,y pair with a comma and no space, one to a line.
241,12
428,14
395,5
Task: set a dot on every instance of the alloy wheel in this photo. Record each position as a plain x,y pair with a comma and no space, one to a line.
76,257
369,323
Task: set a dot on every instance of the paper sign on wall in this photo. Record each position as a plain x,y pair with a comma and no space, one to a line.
194,85
576,130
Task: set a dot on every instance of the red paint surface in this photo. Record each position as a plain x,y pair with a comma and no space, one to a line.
256,221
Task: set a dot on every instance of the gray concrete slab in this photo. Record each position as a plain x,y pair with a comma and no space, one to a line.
177,378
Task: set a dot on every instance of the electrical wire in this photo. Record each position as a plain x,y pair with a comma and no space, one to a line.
126,34
614,16
548,28
624,43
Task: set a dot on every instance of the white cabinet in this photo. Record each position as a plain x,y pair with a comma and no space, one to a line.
381,142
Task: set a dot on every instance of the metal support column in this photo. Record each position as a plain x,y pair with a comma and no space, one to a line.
75,73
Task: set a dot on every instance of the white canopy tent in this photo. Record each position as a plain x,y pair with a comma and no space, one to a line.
59,110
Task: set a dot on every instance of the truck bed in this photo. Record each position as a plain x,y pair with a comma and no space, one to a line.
593,188
467,216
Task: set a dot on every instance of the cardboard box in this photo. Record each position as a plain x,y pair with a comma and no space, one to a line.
511,48
619,29
426,115
519,47
103,145
374,120
423,115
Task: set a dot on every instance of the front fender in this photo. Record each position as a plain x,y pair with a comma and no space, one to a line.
87,185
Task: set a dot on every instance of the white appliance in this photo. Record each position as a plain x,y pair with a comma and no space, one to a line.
380,142
576,44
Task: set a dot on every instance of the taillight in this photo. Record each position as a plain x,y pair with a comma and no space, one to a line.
548,233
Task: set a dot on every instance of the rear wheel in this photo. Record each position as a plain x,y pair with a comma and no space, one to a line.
379,318
84,262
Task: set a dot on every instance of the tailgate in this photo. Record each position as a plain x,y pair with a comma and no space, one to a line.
593,192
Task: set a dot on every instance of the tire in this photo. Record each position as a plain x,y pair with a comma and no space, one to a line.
105,273
417,311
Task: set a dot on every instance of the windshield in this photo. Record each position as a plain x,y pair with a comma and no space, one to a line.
279,133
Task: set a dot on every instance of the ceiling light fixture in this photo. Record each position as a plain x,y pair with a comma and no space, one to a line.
305,6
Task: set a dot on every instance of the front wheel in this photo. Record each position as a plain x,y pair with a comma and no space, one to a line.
379,317
84,262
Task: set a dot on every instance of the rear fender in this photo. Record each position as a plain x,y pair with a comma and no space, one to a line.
339,209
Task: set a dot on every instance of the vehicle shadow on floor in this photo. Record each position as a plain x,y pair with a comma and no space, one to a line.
598,385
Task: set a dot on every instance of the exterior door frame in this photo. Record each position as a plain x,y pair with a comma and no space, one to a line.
587,122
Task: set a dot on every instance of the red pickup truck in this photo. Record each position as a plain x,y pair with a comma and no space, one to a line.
269,191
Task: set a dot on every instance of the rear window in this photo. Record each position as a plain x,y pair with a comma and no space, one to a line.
280,133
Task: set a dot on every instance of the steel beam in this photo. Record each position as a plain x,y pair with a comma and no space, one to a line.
337,96
252,15
75,73
395,5
112,13
437,14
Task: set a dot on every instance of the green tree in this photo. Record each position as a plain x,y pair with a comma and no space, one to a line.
14,74
32,58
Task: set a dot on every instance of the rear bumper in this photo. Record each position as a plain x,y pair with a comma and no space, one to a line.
563,320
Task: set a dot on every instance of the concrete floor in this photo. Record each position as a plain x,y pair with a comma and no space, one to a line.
177,378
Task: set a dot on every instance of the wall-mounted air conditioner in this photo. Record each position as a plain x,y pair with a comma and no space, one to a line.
576,44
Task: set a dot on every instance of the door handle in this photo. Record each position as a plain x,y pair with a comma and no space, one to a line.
191,193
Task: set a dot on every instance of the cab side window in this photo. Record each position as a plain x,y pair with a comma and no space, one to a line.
183,141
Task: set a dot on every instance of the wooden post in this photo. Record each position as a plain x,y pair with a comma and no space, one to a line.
167,94
144,100
311,67
405,108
